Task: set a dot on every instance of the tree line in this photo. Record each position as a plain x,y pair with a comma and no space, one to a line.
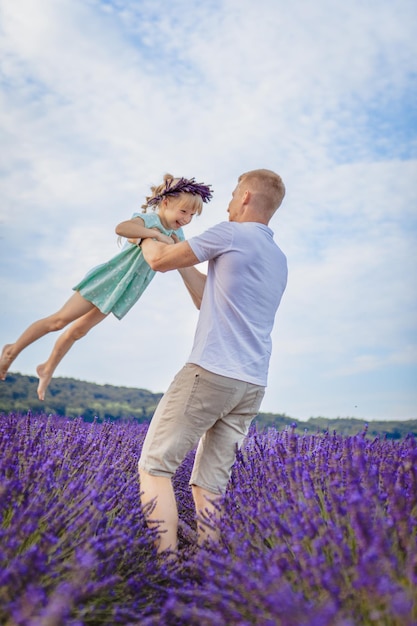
70,397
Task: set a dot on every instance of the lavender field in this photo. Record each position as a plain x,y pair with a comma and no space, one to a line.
316,530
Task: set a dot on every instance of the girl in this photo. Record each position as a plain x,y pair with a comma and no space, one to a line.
115,286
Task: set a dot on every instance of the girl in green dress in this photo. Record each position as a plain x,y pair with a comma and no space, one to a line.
115,286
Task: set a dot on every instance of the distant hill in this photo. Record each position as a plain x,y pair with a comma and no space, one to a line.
72,398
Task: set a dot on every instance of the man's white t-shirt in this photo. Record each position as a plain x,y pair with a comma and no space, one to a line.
247,275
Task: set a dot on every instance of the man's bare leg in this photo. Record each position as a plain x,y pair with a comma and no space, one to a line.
164,515
64,343
74,308
206,505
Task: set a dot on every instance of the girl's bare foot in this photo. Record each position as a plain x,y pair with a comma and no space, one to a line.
6,359
44,380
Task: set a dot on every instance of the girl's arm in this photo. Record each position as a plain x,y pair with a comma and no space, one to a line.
136,229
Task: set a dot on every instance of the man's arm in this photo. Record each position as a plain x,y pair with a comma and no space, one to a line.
162,257
195,282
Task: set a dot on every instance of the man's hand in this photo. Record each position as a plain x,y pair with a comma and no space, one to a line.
162,257
169,239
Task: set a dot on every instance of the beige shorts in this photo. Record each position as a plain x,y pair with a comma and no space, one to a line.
206,410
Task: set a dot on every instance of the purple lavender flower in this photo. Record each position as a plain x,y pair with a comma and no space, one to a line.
315,530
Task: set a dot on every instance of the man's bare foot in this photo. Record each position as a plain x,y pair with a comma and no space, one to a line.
6,359
44,380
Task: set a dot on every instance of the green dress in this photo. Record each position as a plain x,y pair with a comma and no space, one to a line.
115,286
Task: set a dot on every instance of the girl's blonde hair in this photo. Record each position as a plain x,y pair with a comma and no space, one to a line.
194,193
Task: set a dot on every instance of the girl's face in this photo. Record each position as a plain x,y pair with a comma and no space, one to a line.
176,212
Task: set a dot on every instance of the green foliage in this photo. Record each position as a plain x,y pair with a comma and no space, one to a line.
396,429
72,398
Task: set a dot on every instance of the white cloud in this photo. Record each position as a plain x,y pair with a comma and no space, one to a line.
99,99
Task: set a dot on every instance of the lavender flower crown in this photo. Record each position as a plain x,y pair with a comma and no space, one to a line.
183,185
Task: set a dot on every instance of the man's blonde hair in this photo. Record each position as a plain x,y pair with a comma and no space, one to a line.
268,185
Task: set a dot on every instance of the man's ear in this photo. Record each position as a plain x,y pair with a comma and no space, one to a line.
246,197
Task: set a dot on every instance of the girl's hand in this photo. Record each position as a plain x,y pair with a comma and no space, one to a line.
164,238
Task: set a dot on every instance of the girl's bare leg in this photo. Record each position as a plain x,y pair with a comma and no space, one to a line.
64,342
74,308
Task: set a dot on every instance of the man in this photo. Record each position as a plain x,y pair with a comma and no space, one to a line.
214,398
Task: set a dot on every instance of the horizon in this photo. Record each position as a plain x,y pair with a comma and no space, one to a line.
100,98
275,413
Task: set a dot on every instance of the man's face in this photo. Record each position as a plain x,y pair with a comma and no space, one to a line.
235,205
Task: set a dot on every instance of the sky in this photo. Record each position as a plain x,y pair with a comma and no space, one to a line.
98,99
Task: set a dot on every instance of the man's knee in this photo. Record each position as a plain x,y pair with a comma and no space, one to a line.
143,474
